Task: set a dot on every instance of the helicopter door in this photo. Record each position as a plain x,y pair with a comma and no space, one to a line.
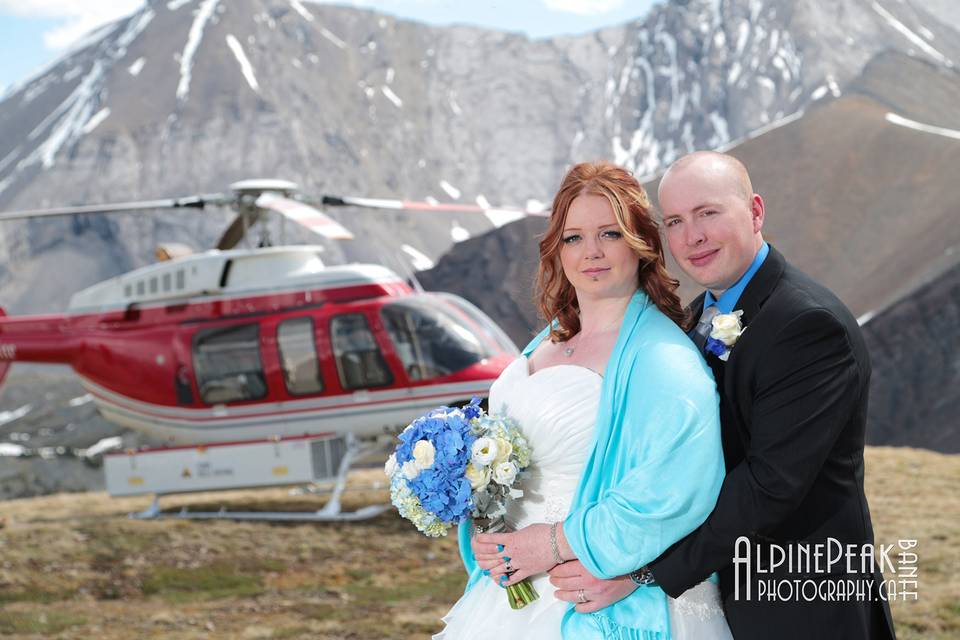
228,365
360,362
298,357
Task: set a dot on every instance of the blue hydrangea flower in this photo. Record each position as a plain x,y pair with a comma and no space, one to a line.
714,346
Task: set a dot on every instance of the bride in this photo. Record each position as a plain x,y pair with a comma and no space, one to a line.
621,413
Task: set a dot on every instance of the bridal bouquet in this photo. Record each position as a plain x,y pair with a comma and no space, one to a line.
455,463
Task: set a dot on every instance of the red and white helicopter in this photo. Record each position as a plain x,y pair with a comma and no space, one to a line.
247,351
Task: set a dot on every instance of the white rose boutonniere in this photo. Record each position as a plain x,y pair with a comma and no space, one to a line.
725,333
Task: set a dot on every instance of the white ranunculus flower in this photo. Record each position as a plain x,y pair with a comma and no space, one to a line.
505,473
410,469
390,467
726,327
504,449
479,477
423,453
484,451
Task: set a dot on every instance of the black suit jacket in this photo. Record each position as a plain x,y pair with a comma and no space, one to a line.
793,403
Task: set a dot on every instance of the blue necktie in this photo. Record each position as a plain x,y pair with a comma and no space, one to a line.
702,330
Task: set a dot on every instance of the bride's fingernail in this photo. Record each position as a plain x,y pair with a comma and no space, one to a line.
486,572
499,547
506,558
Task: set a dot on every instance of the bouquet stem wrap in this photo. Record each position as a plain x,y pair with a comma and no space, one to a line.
518,595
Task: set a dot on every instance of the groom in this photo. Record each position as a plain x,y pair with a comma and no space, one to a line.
793,407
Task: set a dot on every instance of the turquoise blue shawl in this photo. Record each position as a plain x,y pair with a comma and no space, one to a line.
653,473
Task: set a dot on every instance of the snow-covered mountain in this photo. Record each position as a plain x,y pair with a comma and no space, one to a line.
186,96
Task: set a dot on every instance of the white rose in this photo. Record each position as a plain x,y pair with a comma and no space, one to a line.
726,327
505,473
423,453
410,469
390,467
504,449
479,477
484,451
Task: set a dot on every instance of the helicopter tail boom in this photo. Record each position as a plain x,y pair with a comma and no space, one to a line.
42,338
4,365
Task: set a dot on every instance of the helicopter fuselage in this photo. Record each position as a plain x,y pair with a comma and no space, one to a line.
247,344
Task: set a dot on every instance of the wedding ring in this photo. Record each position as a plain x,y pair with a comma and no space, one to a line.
508,567
581,597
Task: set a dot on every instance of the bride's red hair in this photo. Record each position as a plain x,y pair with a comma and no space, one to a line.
556,297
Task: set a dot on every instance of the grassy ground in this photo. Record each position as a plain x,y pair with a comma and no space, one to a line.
73,566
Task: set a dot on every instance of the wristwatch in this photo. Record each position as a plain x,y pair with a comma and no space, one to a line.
642,577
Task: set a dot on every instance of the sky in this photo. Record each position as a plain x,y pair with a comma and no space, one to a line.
35,32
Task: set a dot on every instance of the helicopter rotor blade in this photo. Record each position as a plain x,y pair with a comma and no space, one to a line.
413,205
232,236
304,215
192,202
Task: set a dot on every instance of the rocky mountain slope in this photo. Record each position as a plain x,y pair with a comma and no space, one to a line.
185,97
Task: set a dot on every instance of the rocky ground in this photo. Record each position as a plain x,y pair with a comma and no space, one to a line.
74,566
44,410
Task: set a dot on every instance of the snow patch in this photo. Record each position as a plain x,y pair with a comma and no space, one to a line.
137,66
919,42
340,44
893,118
102,446
458,233
451,190
454,105
245,65
95,121
193,43
390,75
81,400
9,416
173,5
391,96
776,124
7,159
9,450
302,10
420,261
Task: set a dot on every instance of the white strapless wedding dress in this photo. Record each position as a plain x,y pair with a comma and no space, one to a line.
556,407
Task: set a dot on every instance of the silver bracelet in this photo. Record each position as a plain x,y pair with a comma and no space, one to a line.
553,543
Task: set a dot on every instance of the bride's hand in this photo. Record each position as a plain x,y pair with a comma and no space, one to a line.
527,552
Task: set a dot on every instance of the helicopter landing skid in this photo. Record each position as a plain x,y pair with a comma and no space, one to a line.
331,512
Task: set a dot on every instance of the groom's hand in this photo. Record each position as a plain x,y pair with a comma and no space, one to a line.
570,577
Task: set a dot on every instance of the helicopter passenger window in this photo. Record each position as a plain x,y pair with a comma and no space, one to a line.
430,339
360,363
298,356
227,364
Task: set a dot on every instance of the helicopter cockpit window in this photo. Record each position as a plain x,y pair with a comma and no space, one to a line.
298,356
360,363
227,363
430,339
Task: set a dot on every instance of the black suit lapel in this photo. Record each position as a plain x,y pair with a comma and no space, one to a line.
760,286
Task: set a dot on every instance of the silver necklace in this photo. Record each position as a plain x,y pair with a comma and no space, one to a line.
568,351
